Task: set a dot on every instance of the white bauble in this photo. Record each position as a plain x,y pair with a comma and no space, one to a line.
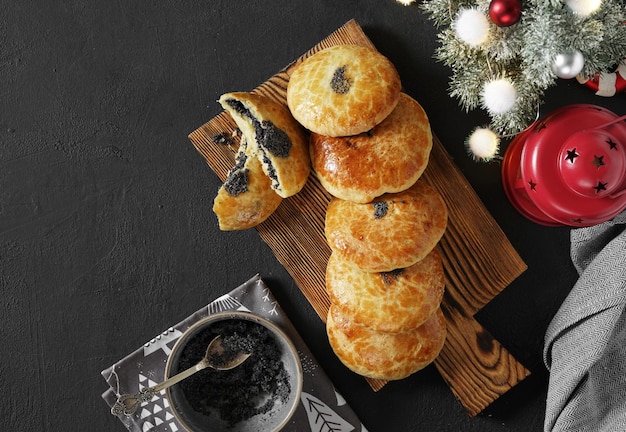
483,144
568,65
499,96
472,26
584,8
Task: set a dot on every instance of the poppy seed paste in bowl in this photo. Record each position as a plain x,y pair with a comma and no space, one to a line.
238,394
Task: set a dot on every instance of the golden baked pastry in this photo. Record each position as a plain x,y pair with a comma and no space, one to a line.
394,231
381,355
388,158
273,136
246,198
343,90
394,301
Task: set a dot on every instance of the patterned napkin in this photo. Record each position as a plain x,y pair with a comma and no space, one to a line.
321,407
585,346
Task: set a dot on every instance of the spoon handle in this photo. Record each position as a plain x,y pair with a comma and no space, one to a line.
180,376
127,404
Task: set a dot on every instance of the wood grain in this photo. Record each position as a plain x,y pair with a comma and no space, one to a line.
479,261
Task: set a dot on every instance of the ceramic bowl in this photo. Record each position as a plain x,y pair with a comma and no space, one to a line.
181,398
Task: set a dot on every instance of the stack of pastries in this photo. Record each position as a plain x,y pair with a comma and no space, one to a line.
369,144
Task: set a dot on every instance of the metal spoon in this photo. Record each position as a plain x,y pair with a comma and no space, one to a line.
127,404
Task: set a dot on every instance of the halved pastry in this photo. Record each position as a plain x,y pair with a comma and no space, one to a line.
274,137
246,198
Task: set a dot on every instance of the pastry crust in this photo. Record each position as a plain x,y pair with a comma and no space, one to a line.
394,231
343,90
390,302
274,137
246,198
380,355
388,158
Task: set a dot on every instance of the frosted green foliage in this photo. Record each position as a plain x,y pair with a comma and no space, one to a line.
524,52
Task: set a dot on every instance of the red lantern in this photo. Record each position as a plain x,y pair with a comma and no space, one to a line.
568,168
505,13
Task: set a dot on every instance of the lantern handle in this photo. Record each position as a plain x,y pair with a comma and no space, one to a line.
615,120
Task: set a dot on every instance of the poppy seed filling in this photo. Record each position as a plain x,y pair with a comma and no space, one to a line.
222,138
380,209
340,83
271,171
268,136
272,139
237,180
391,276
235,395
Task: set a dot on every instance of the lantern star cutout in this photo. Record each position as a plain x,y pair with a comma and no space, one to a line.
533,185
598,161
571,155
600,187
612,144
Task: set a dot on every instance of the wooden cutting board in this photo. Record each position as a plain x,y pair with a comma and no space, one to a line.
479,261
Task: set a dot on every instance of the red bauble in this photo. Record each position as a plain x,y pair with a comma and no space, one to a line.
505,13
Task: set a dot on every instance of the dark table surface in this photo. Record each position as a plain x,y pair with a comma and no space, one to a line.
106,230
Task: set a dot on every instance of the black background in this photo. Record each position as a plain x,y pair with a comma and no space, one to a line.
106,230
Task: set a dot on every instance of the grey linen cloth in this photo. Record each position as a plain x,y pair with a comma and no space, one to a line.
585,344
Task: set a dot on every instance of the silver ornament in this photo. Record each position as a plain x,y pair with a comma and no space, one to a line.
568,65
